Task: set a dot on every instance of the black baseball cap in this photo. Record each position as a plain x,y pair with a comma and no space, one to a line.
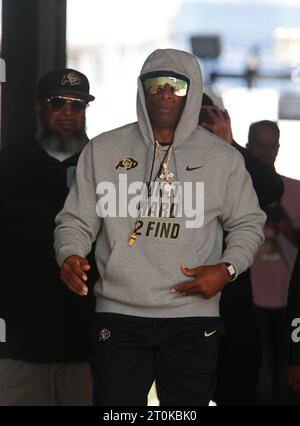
62,81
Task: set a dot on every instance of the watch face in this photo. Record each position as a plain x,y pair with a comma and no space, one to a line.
231,269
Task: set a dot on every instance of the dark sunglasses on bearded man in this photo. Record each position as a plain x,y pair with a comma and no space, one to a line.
58,102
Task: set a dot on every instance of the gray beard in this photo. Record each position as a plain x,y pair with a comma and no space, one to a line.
55,145
60,149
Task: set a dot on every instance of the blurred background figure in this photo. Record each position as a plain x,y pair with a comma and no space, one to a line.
240,353
271,271
44,360
294,323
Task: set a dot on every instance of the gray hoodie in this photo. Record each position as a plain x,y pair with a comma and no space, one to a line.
138,280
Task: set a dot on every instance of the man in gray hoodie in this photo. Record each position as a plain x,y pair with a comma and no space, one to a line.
156,196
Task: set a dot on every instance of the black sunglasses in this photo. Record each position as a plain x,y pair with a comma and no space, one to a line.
58,102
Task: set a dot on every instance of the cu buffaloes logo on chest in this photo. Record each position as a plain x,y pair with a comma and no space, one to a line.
127,163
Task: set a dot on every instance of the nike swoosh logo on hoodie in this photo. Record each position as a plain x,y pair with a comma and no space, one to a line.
189,169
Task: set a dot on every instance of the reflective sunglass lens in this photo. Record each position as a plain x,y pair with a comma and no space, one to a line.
157,84
58,103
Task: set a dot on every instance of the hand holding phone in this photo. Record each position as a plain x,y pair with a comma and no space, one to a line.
217,122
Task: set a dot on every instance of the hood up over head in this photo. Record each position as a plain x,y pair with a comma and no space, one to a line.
179,62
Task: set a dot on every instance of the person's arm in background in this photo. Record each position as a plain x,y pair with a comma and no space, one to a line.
267,183
284,225
294,321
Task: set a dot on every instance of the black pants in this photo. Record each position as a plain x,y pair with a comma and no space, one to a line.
129,353
240,352
272,386
238,366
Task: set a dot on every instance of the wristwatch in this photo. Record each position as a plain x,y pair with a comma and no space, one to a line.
231,270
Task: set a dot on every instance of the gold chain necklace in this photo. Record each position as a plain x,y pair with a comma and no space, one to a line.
166,174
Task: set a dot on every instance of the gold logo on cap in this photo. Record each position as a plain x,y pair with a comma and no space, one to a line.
71,78
127,163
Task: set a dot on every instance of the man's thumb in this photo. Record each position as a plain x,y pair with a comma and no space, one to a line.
187,271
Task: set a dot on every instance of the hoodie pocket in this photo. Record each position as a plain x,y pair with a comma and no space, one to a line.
144,275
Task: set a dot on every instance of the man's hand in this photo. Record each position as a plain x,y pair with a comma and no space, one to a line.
294,378
219,123
73,274
209,280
